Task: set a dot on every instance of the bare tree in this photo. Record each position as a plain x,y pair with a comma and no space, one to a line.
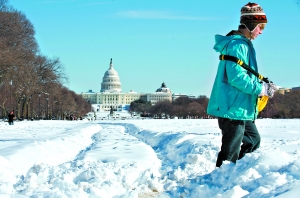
140,106
17,42
161,109
288,105
195,110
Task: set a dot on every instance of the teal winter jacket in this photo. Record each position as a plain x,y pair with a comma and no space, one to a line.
235,90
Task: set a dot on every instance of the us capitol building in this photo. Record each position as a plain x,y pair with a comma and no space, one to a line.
111,96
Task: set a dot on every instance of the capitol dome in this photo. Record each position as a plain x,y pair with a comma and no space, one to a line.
111,81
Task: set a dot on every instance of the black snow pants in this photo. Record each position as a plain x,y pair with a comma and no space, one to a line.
239,137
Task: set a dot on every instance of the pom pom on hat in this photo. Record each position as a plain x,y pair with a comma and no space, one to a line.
252,14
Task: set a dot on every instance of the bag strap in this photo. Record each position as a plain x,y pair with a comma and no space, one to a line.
244,65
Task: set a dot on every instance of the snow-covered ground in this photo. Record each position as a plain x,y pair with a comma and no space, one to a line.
144,158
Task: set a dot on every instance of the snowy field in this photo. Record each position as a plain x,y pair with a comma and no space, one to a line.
144,158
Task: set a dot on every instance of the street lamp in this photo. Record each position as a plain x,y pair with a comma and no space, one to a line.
39,105
47,109
10,95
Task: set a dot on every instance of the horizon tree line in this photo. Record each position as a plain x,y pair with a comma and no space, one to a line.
183,107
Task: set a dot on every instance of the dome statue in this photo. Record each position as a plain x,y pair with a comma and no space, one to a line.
111,81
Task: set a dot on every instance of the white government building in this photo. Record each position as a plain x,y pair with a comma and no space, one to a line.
111,96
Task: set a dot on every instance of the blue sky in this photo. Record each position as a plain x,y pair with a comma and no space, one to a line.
154,41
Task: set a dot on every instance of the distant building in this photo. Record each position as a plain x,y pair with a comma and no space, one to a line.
163,93
295,88
283,90
178,95
111,96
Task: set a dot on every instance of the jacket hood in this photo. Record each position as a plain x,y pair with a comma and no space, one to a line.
222,41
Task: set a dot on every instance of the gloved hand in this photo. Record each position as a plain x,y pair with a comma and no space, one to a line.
268,89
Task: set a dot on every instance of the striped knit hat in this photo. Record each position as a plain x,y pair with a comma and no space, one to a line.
252,15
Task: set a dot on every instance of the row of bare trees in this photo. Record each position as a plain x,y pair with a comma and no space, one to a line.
182,107
30,82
